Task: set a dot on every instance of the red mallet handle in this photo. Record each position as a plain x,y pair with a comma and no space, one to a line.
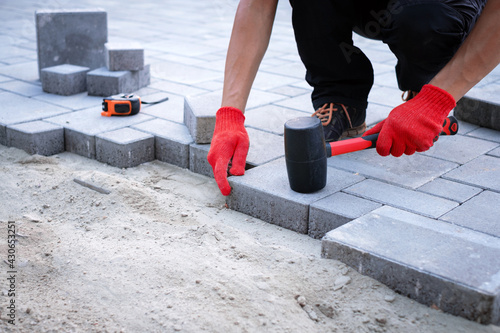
450,127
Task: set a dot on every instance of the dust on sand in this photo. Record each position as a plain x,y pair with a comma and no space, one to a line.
162,253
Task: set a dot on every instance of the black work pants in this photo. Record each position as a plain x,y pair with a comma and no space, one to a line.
422,34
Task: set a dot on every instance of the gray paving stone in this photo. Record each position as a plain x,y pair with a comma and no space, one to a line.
407,171
450,190
198,159
18,109
172,109
264,147
25,71
199,116
176,88
124,57
81,127
480,213
433,262
300,103
22,88
172,141
103,82
74,102
74,37
495,152
459,148
179,73
483,172
264,192
271,118
64,79
336,210
410,200
265,81
36,137
480,109
485,134
125,147
375,113
385,96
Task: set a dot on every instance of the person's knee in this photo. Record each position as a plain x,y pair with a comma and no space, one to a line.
421,27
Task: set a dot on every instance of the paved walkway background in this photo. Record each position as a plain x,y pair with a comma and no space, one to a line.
426,225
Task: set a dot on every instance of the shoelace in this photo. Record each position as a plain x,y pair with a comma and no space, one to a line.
325,113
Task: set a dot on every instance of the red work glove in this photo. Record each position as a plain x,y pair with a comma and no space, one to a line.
230,140
414,125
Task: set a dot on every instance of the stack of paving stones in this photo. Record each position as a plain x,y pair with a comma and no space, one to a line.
124,71
426,225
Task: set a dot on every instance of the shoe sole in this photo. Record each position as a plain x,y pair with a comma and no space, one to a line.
352,132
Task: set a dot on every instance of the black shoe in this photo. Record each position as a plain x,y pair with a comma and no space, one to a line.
336,119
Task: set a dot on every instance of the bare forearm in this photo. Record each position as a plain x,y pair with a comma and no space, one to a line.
249,40
479,55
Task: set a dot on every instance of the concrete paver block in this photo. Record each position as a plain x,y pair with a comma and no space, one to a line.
82,126
172,141
278,204
64,79
74,37
433,262
479,112
172,110
460,148
19,109
450,190
264,147
410,200
483,172
198,160
479,213
125,147
407,171
336,210
495,152
37,137
199,116
103,82
485,134
124,57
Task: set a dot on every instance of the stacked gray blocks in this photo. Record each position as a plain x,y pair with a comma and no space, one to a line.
64,79
124,72
36,137
433,262
74,37
103,82
125,148
121,57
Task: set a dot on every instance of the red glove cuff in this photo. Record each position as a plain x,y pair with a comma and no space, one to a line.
442,102
228,118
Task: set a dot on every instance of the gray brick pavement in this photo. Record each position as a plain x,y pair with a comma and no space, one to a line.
456,182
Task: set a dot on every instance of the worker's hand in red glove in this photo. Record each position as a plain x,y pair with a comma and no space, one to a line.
414,125
230,140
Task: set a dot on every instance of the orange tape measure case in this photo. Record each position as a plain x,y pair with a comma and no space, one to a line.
121,105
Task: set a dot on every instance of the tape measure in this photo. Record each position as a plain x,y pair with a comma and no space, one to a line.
124,105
